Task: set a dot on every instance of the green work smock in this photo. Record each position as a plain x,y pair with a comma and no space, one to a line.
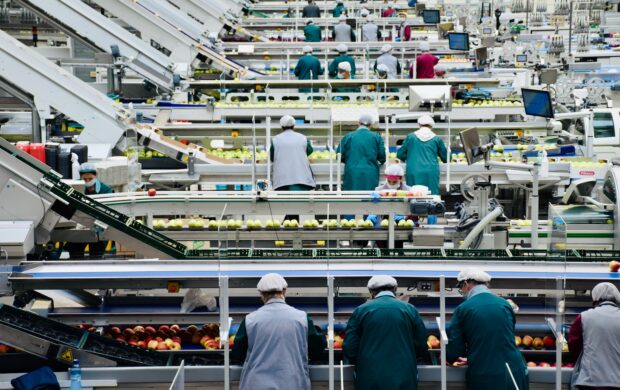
421,159
312,33
339,10
333,66
384,339
362,152
482,329
308,68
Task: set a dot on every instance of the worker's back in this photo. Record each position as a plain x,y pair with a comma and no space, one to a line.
362,151
312,33
342,32
484,326
277,355
370,32
311,11
290,161
308,68
384,339
425,66
392,64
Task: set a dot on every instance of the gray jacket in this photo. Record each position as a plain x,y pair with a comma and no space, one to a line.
277,357
290,161
343,32
599,362
391,62
370,32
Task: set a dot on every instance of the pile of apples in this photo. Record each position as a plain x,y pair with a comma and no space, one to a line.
322,155
6,349
546,342
546,364
401,194
166,337
487,103
244,154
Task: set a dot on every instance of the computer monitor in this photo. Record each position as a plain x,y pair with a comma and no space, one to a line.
471,145
522,58
537,102
431,16
458,41
481,57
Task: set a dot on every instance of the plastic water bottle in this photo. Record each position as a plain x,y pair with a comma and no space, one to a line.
75,374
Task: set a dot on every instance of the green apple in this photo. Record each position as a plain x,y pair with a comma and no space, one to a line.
385,223
402,223
409,223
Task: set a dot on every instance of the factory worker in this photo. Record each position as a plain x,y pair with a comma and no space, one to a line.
424,63
94,186
388,60
343,32
312,32
311,10
482,332
289,154
594,340
308,68
364,12
275,342
342,57
384,339
404,30
389,11
370,31
344,71
340,9
394,174
362,153
420,151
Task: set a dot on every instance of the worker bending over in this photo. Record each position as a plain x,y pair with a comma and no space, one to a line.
425,63
384,339
482,333
342,57
362,153
275,341
312,32
308,68
420,151
389,61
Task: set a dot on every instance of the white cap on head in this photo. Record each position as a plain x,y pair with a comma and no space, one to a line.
425,46
390,4
366,119
342,48
340,1
287,122
426,120
386,48
364,12
370,17
394,170
310,21
345,66
88,168
307,49
473,274
379,281
272,283
342,18
605,292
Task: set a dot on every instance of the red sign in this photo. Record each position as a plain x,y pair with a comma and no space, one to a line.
587,173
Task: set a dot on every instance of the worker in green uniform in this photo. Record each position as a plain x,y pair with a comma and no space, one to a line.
384,339
340,9
312,32
482,333
362,153
342,57
420,151
308,68
93,186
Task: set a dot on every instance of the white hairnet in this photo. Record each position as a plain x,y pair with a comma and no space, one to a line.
386,48
390,4
344,66
287,122
425,46
342,18
366,119
340,1
364,12
307,49
426,120
473,274
271,282
382,68
379,281
342,48
605,292
394,170
370,17
88,168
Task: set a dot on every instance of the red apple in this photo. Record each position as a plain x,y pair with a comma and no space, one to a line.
164,329
204,339
531,364
142,344
150,330
211,344
161,346
175,328
614,266
121,339
138,329
133,342
548,342
196,338
4,348
537,343
518,341
192,329
176,339
92,329
231,341
128,332
152,344
115,330
544,364
151,192
527,341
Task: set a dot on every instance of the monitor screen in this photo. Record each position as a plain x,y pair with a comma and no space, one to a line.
458,41
537,102
430,16
471,145
481,57
487,31
521,57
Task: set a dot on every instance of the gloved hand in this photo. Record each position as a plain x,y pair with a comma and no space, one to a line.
373,218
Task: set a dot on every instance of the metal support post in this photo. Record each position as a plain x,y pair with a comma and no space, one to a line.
391,225
330,328
534,206
224,328
267,149
443,336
